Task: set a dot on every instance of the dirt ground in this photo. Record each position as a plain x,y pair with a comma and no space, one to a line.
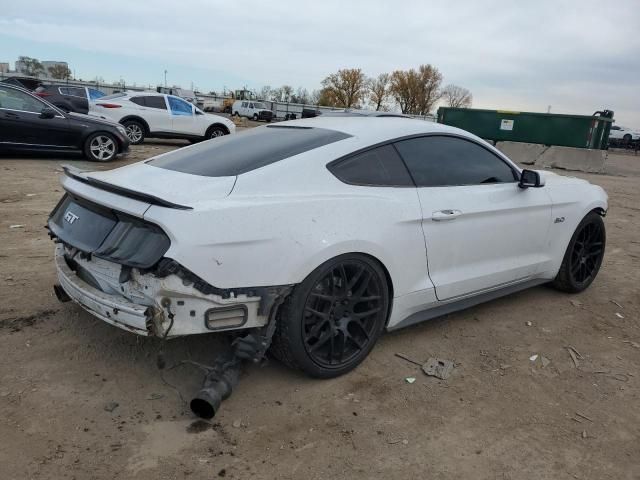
80,399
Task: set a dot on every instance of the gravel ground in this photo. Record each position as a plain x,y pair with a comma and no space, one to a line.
81,399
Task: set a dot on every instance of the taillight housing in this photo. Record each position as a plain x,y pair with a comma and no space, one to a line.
108,105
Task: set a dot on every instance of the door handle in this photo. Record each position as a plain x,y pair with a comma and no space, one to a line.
444,215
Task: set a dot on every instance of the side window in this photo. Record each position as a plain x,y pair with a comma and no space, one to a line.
73,91
244,104
251,105
138,101
179,107
615,128
440,161
95,94
156,101
16,100
381,166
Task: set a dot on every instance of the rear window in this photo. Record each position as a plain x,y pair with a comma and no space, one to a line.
237,154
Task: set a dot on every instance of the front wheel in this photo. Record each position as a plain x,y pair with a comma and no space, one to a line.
101,147
215,132
333,318
584,255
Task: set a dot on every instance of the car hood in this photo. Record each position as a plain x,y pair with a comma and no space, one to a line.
86,119
181,189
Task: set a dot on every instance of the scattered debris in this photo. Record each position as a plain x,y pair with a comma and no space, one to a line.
584,434
236,424
16,226
616,304
31,194
545,361
619,315
574,354
438,367
410,379
633,344
528,324
111,406
410,360
534,357
155,396
584,416
504,366
405,442
576,303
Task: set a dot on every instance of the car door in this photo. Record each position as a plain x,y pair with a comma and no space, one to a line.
22,126
153,108
183,118
481,230
76,98
244,111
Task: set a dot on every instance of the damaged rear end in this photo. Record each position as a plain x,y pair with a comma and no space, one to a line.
113,261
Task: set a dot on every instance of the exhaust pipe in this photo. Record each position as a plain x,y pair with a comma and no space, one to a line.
216,387
61,295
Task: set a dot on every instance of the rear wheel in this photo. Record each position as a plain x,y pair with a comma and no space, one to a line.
135,131
332,319
584,255
101,147
626,138
255,117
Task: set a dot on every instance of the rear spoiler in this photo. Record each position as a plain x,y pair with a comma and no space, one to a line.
81,176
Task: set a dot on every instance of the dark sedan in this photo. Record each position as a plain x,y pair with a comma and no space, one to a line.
32,124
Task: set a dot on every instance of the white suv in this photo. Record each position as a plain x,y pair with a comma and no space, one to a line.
618,132
151,114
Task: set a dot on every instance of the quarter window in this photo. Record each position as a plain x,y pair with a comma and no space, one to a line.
156,101
381,166
95,94
15,100
138,101
180,107
440,161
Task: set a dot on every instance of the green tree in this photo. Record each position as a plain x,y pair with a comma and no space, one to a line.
60,72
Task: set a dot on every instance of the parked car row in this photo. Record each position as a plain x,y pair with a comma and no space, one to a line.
623,136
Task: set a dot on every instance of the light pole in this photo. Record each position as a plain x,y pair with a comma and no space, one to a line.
165,79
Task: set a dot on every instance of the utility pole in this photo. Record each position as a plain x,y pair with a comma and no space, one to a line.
165,79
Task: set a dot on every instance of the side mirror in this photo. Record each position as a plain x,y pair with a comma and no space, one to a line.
198,112
530,178
47,113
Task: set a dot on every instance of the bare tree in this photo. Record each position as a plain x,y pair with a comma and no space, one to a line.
301,96
416,91
345,88
32,66
379,90
314,99
266,93
60,72
457,97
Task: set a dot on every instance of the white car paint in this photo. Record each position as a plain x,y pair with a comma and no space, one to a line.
618,132
248,108
274,225
178,118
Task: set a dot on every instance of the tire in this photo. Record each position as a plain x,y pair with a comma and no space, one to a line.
215,132
338,311
255,117
626,138
135,131
101,147
583,257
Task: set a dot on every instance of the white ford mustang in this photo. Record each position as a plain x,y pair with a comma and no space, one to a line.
313,236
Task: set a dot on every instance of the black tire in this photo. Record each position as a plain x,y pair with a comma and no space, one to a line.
101,147
339,310
136,131
215,132
583,257
626,138
255,117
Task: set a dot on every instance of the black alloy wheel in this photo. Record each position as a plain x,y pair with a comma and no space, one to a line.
334,317
584,255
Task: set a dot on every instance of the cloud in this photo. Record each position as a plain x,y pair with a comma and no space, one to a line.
573,55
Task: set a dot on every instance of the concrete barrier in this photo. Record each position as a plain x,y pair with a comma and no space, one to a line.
525,153
567,158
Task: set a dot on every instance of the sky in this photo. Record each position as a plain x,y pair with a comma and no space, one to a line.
575,56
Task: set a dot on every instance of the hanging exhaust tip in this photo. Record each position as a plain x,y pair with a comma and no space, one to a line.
217,386
61,295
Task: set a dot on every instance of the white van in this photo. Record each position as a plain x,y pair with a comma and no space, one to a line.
251,109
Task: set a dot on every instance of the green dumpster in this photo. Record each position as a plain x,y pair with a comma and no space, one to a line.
580,131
